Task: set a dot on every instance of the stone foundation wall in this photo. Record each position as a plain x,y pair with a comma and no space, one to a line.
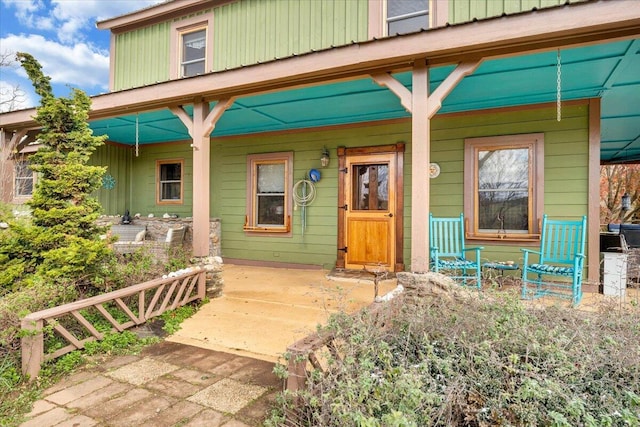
157,229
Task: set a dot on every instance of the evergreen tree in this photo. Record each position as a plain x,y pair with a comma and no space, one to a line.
63,241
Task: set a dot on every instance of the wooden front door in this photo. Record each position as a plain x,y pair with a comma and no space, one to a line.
370,203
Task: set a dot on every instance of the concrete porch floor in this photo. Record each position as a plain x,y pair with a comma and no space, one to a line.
263,310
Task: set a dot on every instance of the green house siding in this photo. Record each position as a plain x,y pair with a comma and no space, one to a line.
117,159
251,31
317,243
142,56
244,32
466,10
565,178
143,180
565,163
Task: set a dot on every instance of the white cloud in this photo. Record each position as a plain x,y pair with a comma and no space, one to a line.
77,15
79,65
71,19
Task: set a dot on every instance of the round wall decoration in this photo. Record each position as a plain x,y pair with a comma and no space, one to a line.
434,170
108,182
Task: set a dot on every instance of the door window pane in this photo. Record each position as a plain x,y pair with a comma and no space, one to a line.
370,187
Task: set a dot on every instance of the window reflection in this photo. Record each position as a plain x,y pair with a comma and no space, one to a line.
503,190
370,187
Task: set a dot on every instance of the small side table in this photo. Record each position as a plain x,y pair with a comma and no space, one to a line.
501,267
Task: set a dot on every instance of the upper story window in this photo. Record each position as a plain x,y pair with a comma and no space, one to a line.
23,179
269,183
194,44
503,187
406,16
170,179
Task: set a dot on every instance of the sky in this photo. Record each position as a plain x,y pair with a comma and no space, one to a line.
62,36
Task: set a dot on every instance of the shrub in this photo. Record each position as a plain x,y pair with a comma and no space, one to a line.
474,363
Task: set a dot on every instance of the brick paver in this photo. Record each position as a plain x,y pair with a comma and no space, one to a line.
169,385
77,391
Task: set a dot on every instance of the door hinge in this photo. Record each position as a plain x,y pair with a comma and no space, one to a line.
345,170
345,207
343,249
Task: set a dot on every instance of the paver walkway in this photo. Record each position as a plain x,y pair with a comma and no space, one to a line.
168,384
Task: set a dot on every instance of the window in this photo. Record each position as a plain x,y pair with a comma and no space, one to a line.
193,53
269,183
504,187
170,181
24,179
406,16
192,46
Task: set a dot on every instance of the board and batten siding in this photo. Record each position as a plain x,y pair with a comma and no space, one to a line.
251,31
142,56
117,159
466,10
566,145
244,32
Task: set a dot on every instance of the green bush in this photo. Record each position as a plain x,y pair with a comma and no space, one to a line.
474,363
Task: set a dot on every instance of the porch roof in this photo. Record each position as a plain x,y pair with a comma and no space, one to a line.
598,42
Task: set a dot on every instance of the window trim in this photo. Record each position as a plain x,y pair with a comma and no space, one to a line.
22,197
185,26
535,143
253,160
159,200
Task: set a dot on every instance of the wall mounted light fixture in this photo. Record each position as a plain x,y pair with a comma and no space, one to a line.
324,159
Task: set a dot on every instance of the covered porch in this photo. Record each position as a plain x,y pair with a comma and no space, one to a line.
579,54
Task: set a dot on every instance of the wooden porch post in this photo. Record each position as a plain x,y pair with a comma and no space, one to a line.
201,155
200,128
420,147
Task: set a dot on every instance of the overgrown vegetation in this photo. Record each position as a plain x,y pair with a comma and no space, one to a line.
474,363
17,396
57,255
61,242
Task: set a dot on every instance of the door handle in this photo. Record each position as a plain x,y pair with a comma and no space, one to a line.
390,215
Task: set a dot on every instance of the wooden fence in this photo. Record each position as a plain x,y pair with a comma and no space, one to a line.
305,355
137,304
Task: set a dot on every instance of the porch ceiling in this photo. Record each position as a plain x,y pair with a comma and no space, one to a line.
610,71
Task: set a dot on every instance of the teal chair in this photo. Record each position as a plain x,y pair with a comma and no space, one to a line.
448,254
556,269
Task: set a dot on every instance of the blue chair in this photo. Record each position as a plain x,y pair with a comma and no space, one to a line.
447,252
558,269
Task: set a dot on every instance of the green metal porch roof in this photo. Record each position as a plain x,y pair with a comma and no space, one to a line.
610,71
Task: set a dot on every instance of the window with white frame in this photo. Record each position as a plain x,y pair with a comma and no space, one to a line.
170,181
269,183
406,16
191,46
193,52
504,186
23,179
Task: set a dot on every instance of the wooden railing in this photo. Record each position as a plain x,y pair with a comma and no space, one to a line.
305,354
136,303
